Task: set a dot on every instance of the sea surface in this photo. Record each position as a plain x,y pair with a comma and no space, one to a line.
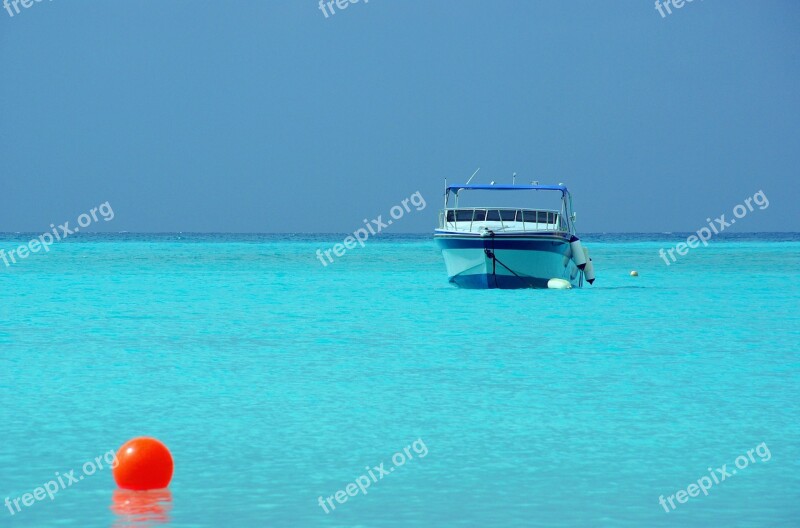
275,380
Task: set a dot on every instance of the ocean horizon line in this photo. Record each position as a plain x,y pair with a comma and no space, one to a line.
404,233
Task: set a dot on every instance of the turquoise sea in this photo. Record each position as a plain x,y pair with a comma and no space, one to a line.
275,381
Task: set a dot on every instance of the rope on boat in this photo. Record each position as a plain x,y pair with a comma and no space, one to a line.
495,261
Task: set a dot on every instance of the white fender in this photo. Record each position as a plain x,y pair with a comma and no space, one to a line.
588,271
559,284
578,254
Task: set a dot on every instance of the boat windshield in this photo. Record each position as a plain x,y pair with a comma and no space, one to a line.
502,215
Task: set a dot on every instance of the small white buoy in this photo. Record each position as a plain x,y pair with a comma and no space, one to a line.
634,273
559,284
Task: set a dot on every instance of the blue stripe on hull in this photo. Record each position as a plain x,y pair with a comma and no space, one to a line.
555,244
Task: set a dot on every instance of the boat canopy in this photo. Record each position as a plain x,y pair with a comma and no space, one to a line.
506,187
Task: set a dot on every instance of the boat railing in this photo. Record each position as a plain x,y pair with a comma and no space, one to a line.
511,219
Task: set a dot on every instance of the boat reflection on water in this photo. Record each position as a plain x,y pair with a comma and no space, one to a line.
141,508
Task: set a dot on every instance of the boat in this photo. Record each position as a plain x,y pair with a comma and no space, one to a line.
511,247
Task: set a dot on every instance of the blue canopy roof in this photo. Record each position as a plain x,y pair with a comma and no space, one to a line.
506,187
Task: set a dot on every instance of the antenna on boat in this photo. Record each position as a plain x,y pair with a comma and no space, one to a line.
473,175
514,179
446,196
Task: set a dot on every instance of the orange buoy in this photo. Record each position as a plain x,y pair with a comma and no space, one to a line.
143,464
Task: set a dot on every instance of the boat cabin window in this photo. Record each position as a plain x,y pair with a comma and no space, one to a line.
464,215
540,217
503,215
500,215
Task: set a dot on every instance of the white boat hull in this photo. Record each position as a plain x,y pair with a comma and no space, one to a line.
507,261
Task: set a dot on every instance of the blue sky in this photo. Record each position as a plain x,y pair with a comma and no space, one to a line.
255,116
